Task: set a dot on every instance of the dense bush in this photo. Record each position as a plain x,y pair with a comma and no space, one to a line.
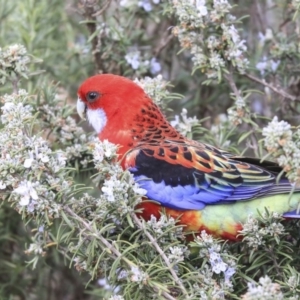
67,224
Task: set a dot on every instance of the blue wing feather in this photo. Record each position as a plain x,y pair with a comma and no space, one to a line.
177,186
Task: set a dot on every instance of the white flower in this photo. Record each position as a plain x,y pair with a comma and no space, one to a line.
98,155
266,289
185,126
155,66
44,158
30,206
22,92
122,274
222,6
138,275
276,132
109,149
234,34
124,3
265,37
109,186
133,59
104,284
261,66
159,225
265,65
155,88
146,5
216,262
2,185
216,61
228,273
138,190
61,158
207,238
274,65
200,6
240,102
103,150
177,254
8,106
16,51
34,248
27,192
28,162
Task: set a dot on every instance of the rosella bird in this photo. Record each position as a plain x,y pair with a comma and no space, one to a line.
205,188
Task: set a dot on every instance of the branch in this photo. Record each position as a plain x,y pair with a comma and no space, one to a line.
105,242
90,14
15,83
104,7
161,253
109,246
232,84
281,92
163,43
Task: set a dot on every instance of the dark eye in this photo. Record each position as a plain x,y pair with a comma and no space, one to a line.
92,96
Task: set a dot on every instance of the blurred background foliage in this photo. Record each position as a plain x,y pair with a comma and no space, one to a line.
76,39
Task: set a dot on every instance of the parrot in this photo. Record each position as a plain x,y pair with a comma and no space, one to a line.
199,185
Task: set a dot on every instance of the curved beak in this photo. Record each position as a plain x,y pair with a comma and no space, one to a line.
81,109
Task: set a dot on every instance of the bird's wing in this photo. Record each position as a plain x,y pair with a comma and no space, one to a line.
193,175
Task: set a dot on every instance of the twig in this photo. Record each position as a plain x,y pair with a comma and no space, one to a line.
261,20
163,43
104,7
161,253
105,242
281,92
109,246
232,85
89,8
15,85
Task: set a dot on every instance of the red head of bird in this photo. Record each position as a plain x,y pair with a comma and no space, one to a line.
121,112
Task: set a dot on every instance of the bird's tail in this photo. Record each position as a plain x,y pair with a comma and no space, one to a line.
295,214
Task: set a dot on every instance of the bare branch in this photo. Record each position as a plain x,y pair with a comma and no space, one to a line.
90,12
162,44
104,7
232,85
15,83
105,242
279,91
109,246
161,253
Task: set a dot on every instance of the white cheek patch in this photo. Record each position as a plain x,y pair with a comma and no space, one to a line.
97,118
